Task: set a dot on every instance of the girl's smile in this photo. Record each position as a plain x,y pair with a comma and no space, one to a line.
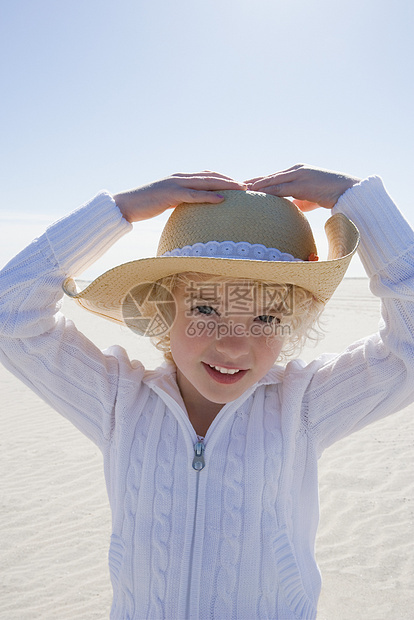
225,375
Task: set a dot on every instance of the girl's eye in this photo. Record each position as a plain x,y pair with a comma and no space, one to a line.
268,318
207,310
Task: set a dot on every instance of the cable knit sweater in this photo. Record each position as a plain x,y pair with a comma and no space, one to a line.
235,540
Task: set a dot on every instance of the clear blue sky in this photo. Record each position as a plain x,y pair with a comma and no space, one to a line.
111,94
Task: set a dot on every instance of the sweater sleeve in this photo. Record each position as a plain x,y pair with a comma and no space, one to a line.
37,343
375,376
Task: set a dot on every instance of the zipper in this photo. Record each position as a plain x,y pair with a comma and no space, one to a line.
198,460
198,465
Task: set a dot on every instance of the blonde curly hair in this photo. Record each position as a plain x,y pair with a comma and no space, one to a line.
298,308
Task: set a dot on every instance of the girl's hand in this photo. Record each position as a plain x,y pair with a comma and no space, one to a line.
150,200
310,187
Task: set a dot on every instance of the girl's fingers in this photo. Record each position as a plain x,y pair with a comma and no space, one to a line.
311,186
206,175
281,176
280,189
210,183
200,196
202,173
254,180
277,179
306,205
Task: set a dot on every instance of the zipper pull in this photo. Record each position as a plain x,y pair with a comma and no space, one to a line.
198,460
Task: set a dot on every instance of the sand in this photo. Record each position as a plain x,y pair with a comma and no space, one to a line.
55,519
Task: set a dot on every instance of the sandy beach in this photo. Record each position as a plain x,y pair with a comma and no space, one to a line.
55,519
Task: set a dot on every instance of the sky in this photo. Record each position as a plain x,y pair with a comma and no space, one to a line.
100,94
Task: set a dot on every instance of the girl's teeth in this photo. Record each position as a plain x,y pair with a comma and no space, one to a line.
225,371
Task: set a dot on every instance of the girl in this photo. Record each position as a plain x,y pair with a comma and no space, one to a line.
211,460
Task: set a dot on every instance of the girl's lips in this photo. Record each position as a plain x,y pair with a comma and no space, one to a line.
225,378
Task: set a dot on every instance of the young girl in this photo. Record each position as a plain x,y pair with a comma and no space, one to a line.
211,460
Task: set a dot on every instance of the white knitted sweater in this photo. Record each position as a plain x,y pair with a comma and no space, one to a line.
236,540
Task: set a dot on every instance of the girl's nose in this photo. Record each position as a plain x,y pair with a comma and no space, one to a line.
233,343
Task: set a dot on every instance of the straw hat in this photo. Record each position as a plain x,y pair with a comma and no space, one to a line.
249,235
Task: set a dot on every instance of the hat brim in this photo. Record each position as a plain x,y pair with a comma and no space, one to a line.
105,295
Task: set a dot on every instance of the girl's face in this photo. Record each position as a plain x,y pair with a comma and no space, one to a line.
225,337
